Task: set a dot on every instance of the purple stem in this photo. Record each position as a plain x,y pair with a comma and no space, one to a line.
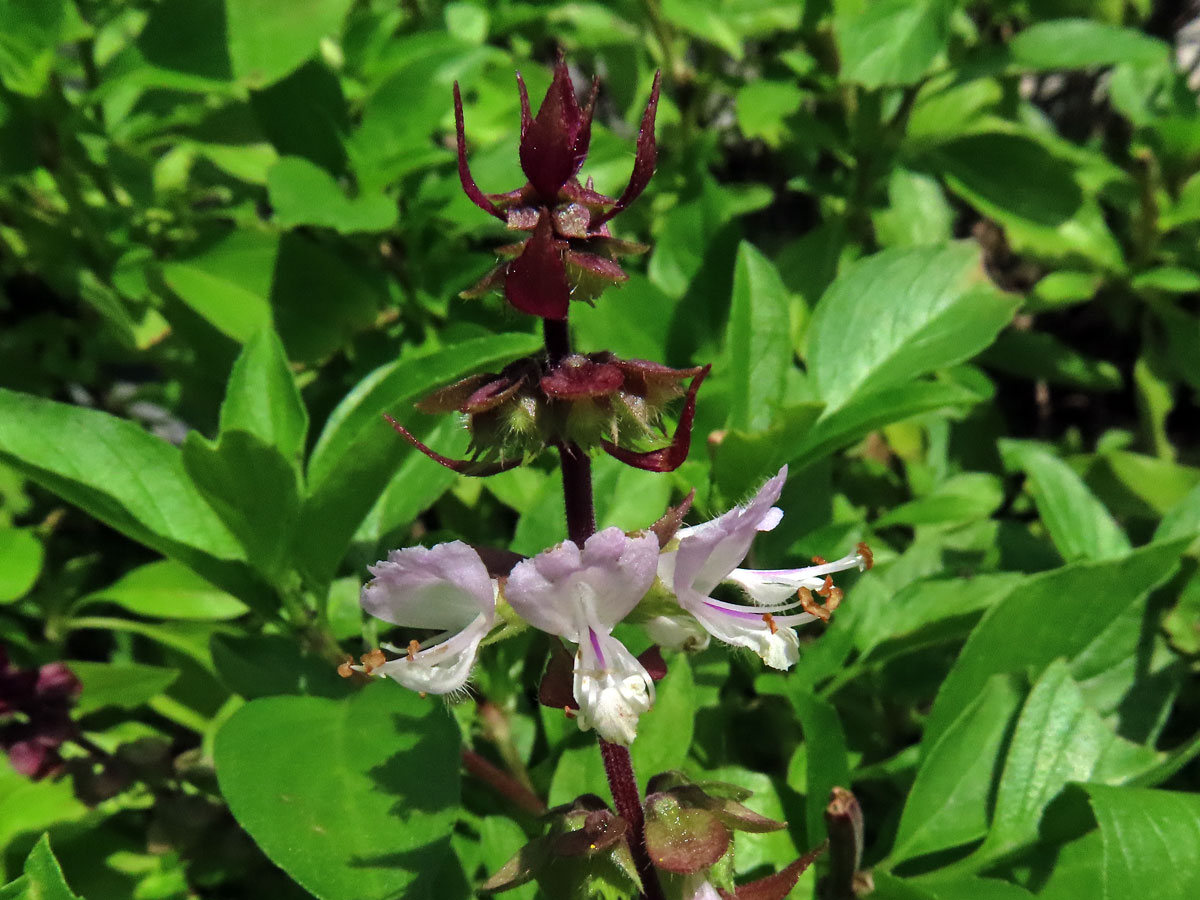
581,525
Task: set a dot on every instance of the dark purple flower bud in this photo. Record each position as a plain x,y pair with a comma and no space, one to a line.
36,708
536,281
555,143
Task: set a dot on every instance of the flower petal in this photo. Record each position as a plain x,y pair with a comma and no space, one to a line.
709,552
446,587
442,668
567,591
778,646
612,688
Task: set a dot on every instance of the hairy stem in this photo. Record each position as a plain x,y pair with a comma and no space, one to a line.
618,766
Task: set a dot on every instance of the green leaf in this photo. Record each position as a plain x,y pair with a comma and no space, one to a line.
31,807
899,314
867,413
917,213
948,803
264,665
757,342
262,399
1037,355
962,498
1058,740
1062,613
580,770
123,685
270,38
827,764
664,734
744,460
357,452
762,108
168,590
1079,525
1010,176
1083,43
43,878
32,30
21,557
118,473
1182,520
303,193
1151,838
353,798
229,284
889,42
253,489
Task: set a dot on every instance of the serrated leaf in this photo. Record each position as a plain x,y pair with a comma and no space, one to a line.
899,314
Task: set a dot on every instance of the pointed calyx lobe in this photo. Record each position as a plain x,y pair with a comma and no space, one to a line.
570,254
591,400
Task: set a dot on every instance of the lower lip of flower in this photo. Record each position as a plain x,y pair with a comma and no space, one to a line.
750,613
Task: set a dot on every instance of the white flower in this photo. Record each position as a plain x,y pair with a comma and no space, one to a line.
709,554
445,587
581,595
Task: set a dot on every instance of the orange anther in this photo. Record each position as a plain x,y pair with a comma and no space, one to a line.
414,647
811,606
568,712
373,660
770,620
344,670
827,588
834,600
868,557
820,560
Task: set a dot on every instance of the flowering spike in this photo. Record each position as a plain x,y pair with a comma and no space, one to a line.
474,468
478,197
671,457
645,161
536,281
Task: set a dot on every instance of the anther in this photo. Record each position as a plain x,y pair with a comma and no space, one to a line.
827,588
811,606
820,560
834,600
373,660
414,647
770,620
865,554
344,669
568,712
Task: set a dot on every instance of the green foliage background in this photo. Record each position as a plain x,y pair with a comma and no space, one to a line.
945,258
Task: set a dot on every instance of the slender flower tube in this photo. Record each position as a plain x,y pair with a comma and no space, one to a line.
445,587
709,554
581,595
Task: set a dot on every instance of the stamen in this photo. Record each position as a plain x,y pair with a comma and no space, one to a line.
820,561
770,620
373,660
865,555
811,606
827,588
414,647
834,600
344,669
568,712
